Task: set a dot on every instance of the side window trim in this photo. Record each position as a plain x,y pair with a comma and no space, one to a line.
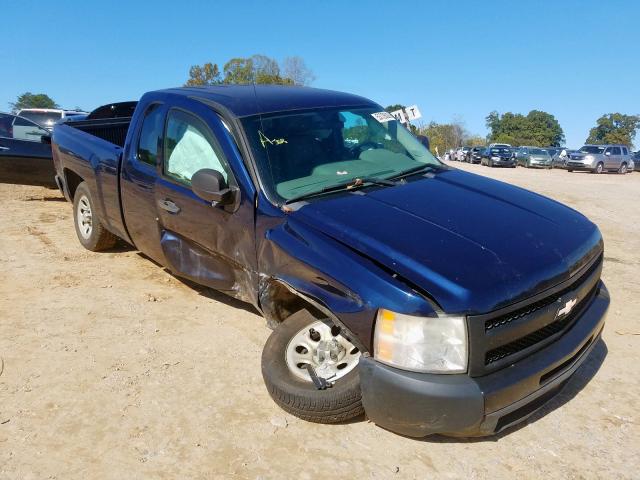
136,152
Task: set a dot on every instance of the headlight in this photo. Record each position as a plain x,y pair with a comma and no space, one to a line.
588,158
421,344
495,158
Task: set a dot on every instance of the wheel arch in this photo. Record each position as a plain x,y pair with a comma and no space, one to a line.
278,300
71,181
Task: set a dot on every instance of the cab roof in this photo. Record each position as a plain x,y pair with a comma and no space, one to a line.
247,100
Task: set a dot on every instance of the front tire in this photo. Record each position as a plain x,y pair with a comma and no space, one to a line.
599,168
284,361
89,228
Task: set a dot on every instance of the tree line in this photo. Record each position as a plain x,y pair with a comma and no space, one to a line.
254,69
537,128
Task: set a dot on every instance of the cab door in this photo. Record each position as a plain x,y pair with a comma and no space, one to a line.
24,157
142,159
211,245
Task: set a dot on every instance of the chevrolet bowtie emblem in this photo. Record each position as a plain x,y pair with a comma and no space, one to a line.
567,308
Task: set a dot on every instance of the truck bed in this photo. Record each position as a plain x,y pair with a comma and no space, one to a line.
90,150
113,130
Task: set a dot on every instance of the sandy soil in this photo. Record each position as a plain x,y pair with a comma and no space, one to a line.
115,369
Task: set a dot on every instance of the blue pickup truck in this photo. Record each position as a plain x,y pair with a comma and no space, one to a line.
433,300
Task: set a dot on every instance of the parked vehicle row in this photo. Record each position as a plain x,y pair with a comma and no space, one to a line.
592,158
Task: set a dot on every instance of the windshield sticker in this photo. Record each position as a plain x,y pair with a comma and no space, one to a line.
383,116
264,140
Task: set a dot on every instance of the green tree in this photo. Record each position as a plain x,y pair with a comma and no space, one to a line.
207,74
393,108
445,136
615,128
255,69
537,128
33,100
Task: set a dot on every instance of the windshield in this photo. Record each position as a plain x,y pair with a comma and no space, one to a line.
304,152
538,151
592,149
46,119
500,151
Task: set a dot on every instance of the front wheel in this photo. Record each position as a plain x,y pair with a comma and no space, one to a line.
303,346
89,229
599,168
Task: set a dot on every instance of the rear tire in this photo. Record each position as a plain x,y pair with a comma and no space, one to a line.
297,396
89,229
623,169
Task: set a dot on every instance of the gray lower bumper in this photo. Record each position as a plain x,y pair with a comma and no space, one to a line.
420,404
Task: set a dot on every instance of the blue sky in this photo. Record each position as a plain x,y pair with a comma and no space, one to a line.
454,59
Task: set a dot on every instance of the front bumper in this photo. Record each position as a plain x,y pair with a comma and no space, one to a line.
421,404
503,162
538,164
577,165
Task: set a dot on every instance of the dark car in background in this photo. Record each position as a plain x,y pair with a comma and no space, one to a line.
25,152
636,161
498,156
474,155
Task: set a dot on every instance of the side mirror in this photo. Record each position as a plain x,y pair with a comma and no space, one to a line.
210,185
607,153
46,139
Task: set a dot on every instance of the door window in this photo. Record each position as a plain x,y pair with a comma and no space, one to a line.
615,150
18,128
190,146
150,141
625,151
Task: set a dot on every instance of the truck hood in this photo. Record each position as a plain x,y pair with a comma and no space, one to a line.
470,243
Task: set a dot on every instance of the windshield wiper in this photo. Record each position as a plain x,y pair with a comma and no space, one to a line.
413,170
349,185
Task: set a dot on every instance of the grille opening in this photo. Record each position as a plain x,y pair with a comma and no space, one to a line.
541,334
496,322
526,410
563,366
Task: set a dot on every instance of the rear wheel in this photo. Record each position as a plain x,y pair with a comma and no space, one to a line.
623,168
89,229
303,342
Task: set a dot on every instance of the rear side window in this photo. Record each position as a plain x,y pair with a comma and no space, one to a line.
151,136
189,147
19,128
625,151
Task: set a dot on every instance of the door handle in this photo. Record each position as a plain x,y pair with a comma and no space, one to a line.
4,149
169,206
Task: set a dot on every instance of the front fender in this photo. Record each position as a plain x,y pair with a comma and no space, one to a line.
331,274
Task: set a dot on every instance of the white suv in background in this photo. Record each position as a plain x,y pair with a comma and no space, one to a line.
47,117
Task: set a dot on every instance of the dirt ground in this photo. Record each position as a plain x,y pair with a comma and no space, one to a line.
115,369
